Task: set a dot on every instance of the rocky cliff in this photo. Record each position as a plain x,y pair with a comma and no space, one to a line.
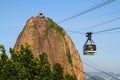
43,35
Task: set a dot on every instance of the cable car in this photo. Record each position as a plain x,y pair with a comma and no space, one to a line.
89,47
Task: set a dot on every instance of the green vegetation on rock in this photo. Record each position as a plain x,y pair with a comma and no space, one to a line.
54,26
69,57
34,26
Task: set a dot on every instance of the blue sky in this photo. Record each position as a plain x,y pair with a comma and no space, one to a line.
15,13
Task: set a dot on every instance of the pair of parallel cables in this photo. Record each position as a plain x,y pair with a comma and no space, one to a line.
89,10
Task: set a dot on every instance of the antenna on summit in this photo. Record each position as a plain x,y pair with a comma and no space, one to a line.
40,15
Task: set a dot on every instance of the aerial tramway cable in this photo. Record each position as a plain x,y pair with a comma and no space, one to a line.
106,22
109,21
85,73
116,28
100,67
101,71
88,10
96,70
102,31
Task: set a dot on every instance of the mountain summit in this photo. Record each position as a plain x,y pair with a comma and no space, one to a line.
44,35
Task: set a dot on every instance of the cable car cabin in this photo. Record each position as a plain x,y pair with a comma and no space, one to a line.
89,47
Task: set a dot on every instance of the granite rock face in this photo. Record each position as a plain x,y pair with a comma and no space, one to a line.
44,35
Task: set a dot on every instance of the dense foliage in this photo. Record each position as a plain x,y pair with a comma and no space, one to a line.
23,66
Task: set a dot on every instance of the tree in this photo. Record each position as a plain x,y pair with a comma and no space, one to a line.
45,70
24,66
5,65
57,73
